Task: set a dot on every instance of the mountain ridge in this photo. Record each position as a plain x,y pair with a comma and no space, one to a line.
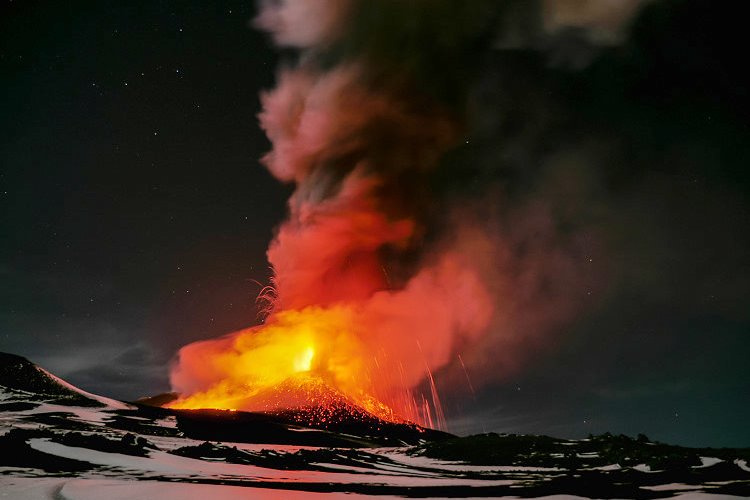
309,425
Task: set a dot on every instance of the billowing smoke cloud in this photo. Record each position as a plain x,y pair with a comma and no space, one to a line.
373,123
356,130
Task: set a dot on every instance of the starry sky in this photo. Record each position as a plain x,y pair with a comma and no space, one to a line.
135,216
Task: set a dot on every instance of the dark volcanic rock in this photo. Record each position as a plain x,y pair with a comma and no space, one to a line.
261,428
16,452
350,429
319,459
299,411
20,374
18,406
351,420
605,466
59,420
596,451
159,400
140,422
129,444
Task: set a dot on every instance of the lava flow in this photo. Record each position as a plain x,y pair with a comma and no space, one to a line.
366,305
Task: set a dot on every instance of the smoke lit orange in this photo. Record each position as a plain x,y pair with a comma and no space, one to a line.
310,357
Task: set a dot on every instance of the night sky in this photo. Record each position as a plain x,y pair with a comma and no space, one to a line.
135,215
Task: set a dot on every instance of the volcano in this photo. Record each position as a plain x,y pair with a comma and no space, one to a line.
299,402
301,411
309,404
58,441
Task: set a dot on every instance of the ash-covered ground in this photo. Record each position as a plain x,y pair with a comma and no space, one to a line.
59,442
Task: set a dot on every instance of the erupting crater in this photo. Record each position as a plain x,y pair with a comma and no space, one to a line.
311,364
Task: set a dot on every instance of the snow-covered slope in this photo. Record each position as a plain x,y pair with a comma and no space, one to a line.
22,379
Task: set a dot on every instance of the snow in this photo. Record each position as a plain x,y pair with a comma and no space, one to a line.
125,490
257,448
96,489
366,470
81,413
608,467
20,488
5,395
161,463
20,471
112,489
169,422
169,443
742,464
705,496
425,462
111,403
116,489
672,486
708,462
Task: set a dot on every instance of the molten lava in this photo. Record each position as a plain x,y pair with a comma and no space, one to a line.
309,358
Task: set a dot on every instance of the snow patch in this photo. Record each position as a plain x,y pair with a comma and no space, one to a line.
425,462
80,413
112,403
96,489
699,495
707,462
169,422
673,487
608,467
23,488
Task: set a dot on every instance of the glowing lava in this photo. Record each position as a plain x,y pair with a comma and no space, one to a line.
312,357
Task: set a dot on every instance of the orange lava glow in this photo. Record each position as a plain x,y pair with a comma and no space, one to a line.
375,356
310,357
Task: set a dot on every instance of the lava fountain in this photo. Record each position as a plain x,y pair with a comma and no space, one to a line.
364,307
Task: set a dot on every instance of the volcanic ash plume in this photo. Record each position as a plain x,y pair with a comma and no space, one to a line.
363,304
